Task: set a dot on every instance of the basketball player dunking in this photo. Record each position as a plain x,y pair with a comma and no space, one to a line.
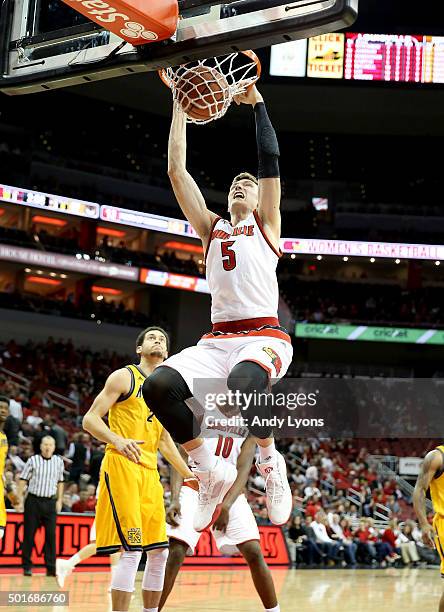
246,347
432,477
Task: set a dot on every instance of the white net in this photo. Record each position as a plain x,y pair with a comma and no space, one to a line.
205,88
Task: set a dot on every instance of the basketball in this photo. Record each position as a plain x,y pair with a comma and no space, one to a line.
202,92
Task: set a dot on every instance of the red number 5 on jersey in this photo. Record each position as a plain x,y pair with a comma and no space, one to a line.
228,255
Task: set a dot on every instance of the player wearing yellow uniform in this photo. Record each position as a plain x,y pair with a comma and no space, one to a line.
4,412
432,477
130,512
142,525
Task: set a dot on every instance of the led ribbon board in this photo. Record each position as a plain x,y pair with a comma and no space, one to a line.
405,335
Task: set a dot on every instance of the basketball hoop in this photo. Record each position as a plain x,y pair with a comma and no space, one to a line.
206,88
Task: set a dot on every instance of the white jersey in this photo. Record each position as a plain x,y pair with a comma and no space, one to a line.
241,271
224,445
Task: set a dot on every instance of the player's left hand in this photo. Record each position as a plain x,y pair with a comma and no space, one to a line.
172,513
222,521
250,96
428,535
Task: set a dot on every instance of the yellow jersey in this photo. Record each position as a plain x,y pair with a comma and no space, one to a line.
437,488
3,453
130,417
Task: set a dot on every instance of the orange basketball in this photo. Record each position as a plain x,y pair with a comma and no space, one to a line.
202,92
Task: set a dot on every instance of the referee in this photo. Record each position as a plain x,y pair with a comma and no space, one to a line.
44,476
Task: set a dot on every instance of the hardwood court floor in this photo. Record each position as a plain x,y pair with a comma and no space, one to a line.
224,591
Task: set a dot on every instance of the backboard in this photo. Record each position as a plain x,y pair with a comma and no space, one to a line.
45,44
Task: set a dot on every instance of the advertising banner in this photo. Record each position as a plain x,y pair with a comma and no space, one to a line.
73,531
331,331
58,261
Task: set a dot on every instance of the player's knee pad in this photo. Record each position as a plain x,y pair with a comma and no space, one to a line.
154,573
250,379
165,392
247,377
124,575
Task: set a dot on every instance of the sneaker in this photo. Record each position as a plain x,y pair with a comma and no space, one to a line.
63,570
213,486
279,499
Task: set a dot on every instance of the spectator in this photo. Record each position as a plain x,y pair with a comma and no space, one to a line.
325,543
42,431
97,456
34,419
12,430
337,533
262,517
312,474
313,506
311,491
59,435
67,503
366,547
393,504
387,545
12,389
302,538
15,459
407,543
86,503
72,489
79,453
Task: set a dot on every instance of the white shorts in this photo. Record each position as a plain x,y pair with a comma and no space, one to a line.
92,533
215,356
241,527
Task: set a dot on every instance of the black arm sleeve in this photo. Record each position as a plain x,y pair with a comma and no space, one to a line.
267,144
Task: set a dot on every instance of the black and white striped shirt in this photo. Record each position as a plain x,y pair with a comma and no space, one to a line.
43,475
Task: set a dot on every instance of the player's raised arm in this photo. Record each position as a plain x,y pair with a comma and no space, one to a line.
431,464
268,165
188,194
117,385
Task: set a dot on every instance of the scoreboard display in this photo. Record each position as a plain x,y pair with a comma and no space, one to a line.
405,58
372,57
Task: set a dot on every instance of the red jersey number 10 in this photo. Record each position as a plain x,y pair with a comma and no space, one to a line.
224,447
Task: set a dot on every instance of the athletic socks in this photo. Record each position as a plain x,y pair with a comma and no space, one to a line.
150,609
267,453
275,609
75,559
203,458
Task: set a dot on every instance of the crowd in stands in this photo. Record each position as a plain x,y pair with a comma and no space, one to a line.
99,311
330,301
345,514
